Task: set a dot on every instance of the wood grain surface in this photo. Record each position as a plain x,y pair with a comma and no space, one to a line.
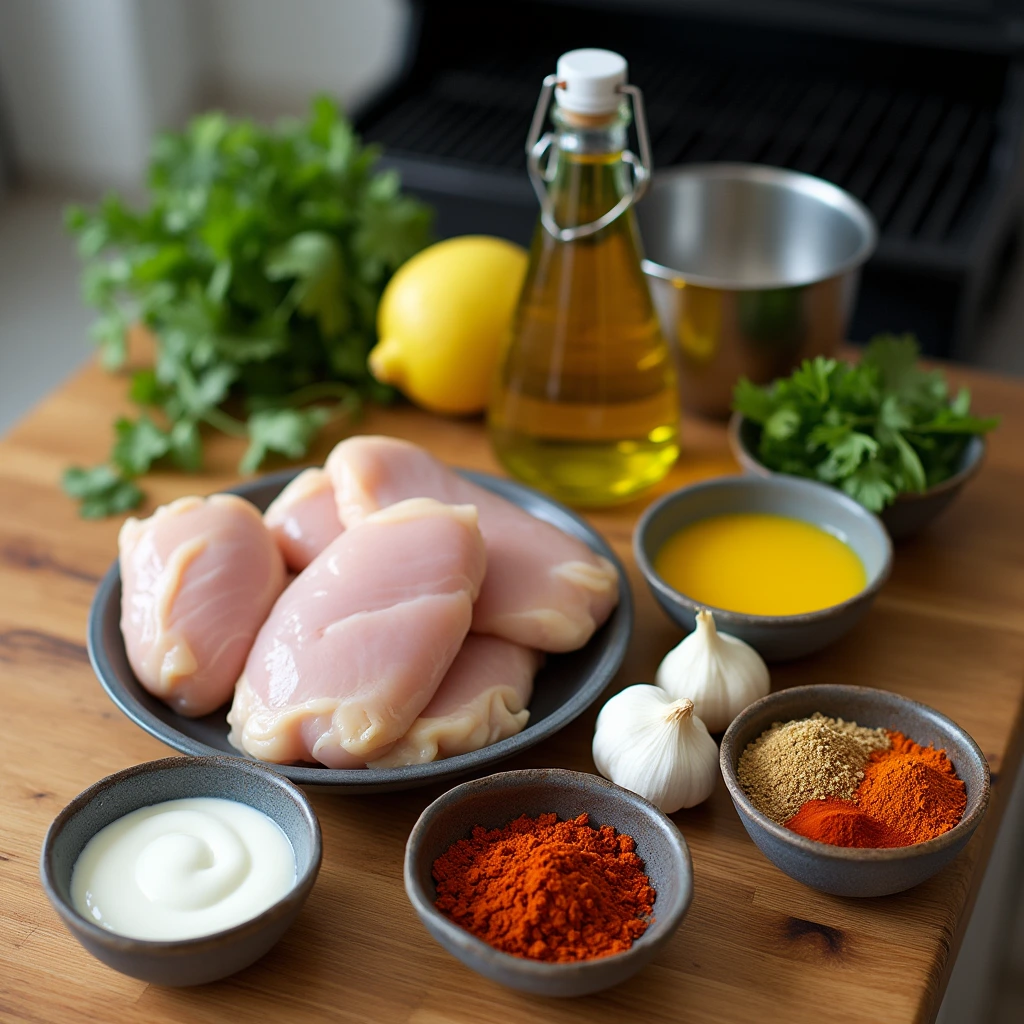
948,629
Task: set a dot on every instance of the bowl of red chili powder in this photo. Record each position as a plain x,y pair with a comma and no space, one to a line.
549,881
851,790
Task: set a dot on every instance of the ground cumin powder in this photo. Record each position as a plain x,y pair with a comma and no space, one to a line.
808,759
546,889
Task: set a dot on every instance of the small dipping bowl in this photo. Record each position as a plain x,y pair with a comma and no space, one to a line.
775,637
846,871
495,801
209,957
908,514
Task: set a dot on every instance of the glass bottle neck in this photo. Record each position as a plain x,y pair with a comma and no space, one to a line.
590,134
587,176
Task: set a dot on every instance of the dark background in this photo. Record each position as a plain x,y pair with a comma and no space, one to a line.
914,107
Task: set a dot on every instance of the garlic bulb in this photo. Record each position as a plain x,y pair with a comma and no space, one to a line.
719,673
656,746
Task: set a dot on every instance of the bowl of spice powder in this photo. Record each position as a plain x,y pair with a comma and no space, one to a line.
854,791
549,881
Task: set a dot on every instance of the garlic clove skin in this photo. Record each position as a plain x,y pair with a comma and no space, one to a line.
720,673
656,747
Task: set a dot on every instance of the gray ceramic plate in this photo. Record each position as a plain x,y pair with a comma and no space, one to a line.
840,870
566,686
498,799
209,957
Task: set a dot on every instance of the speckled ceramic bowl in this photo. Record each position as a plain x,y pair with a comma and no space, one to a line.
187,961
496,800
775,637
908,514
839,870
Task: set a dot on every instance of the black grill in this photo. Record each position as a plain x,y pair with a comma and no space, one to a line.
925,137
915,158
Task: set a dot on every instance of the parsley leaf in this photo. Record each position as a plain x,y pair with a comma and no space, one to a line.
782,424
313,259
257,264
287,431
753,402
102,491
868,485
875,429
186,446
846,455
896,359
138,445
913,478
812,377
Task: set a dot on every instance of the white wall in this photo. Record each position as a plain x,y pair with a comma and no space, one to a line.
173,46
269,56
85,83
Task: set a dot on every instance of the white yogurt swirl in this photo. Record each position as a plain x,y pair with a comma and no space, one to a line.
182,869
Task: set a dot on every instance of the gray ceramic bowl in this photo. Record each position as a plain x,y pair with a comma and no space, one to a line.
498,799
840,870
908,514
775,637
566,685
187,961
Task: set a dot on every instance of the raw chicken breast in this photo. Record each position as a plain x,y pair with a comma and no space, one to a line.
543,589
355,648
481,700
303,518
197,580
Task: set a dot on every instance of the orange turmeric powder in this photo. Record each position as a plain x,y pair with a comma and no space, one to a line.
546,889
912,789
909,794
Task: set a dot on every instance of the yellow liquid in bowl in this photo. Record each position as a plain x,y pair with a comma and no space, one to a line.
760,564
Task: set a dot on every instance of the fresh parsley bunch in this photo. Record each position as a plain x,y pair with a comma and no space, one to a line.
257,266
876,429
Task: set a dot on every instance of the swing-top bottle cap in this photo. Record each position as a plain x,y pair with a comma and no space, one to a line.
589,80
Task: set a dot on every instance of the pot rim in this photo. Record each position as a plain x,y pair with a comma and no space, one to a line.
808,185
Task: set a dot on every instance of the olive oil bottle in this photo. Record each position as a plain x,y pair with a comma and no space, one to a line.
586,406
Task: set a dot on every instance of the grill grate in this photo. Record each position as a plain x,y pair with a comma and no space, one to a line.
914,156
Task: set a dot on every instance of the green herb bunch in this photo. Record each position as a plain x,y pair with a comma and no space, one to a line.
876,429
257,266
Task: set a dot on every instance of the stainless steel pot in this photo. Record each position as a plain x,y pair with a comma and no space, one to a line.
751,269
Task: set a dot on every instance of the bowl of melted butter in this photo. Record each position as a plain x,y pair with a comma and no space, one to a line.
788,565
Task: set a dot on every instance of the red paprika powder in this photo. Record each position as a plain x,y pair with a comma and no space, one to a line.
546,889
841,823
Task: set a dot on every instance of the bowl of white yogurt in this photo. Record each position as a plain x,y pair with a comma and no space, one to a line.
184,870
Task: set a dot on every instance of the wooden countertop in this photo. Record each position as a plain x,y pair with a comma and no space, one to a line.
948,629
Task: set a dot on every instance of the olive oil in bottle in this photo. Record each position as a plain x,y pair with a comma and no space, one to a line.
586,406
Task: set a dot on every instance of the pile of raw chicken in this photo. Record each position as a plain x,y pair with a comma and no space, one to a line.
420,612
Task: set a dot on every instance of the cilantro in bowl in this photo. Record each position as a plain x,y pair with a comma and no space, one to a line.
875,429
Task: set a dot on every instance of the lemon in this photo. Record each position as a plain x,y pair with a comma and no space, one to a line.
443,320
